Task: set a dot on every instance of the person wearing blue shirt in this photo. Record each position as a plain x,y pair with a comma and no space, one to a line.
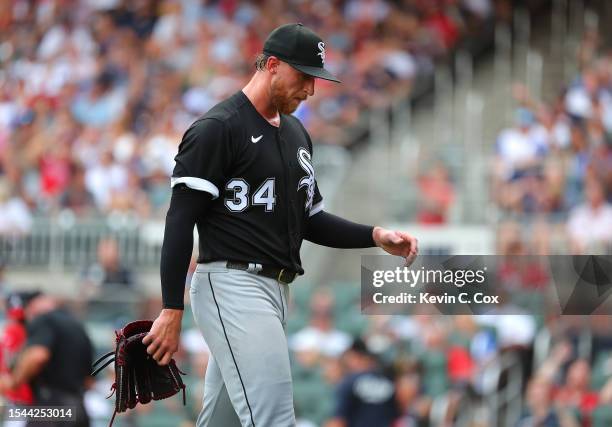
366,396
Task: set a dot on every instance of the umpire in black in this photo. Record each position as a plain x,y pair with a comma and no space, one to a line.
244,176
56,360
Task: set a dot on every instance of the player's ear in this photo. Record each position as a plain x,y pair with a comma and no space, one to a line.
272,64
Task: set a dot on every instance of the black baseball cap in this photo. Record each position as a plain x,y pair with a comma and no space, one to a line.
21,298
360,347
301,48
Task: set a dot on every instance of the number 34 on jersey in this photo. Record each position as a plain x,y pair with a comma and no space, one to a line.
265,194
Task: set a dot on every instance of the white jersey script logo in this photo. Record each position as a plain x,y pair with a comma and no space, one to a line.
309,180
373,390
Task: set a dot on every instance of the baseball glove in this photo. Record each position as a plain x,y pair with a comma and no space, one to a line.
138,377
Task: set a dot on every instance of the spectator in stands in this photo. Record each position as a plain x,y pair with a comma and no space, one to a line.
106,178
102,104
576,391
519,185
320,337
131,199
482,9
432,354
600,163
76,197
56,360
366,396
590,224
437,195
577,161
517,271
555,125
515,328
579,97
70,75
520,148
12,340
413,406
108,270
551,198
442,21
366,12
158,192
15,217
540,411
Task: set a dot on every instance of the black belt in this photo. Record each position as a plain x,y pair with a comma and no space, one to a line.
283,275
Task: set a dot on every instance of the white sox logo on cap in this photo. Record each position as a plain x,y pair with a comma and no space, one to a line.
321,53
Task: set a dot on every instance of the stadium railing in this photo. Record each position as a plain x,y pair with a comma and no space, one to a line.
504,377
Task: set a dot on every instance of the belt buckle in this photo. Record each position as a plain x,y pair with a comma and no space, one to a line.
280,276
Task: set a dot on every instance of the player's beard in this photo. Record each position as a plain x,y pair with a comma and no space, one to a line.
284,103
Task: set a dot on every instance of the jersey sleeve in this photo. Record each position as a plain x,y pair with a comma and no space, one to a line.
204,156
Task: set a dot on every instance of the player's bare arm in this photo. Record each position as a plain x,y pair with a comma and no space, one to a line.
29,364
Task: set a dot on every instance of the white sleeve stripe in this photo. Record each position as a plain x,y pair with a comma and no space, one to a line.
196,184
316,208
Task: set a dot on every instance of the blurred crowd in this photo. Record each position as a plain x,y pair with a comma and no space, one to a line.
412,371
431,370
553,167
351,370
95,95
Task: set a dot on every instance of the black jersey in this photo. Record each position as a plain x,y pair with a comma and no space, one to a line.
261,179
71,353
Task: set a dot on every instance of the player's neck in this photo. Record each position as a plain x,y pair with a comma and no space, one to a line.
257,93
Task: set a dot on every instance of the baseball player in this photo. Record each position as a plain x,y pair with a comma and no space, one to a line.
244,177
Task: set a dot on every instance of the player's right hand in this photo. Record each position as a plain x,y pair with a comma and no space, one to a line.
396,243
163,339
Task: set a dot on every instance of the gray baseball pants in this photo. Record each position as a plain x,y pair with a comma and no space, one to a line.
242,317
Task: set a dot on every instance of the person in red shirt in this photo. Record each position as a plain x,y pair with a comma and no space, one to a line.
576,392
12,339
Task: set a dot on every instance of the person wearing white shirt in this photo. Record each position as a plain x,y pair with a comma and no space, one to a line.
590,224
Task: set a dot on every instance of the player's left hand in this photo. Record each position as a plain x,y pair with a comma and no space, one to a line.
396,243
